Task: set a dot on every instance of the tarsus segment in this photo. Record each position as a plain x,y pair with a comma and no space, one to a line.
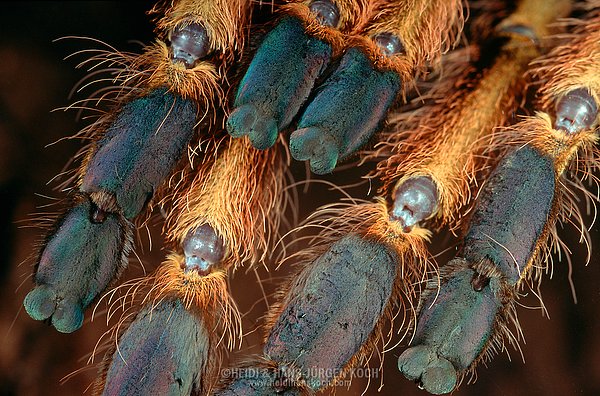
514,218
140,149
345,113
164,351
278,81
456,322
351,105
91,242
284,70
76,265
332,309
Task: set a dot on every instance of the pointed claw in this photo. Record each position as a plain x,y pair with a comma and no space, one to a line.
314,145
351,105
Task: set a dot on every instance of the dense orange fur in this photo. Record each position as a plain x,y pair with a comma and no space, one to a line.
569,152
312,27
537,15
575,157
454,137
216,180
205,294
139,74
574,64
354,14
426,28
241,195
224,20
201,83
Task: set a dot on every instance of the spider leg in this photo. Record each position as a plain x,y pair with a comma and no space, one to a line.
352,103
511,224
214,231
136,148
287,64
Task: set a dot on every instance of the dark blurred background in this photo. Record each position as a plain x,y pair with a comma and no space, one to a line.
562,354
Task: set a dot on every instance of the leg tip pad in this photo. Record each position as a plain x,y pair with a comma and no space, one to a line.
43,303
248,120
314,145
435,373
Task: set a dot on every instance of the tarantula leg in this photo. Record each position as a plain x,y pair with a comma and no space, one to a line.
430,161
168,349
351,105
278,81
332,309
456,322
91,243
215,231
79,261
328,320
517,213
140,150
459,309
345,113
287,64
164,351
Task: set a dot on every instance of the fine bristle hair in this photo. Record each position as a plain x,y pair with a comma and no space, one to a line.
133,76
462,121
205,294
241,195
565,209
426,29
354,14
202,83
574,64
538,15
506,329
454,137
224,20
